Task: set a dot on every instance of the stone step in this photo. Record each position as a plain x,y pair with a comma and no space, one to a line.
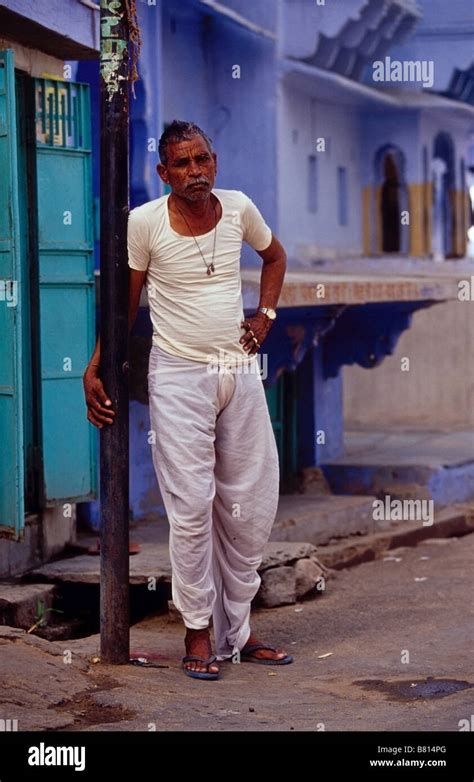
290,570
151,562
22,605
405,465
449,524
310,518
318,519
445,485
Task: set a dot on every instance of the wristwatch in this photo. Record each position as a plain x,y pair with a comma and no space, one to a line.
268,312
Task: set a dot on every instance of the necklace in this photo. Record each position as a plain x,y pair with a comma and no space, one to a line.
210,268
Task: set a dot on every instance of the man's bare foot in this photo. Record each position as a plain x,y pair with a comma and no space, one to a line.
263,654
198,643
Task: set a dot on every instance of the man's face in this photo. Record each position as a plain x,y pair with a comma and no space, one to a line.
190,170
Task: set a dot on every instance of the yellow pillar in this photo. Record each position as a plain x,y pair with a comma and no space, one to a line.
416,200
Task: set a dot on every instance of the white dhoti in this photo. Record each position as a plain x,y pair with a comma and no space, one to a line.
216,462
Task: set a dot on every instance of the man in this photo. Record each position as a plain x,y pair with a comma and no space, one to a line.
214,453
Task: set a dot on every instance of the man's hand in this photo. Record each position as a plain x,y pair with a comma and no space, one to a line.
99,410
257,329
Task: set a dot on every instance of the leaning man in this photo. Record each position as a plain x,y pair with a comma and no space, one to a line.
214,450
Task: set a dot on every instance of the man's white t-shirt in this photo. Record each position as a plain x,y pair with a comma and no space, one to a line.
195,315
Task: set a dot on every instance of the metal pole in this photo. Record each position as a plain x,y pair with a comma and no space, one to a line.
114,204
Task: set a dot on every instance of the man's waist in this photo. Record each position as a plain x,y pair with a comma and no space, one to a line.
215,356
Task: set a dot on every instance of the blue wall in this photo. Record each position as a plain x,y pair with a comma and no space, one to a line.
190,76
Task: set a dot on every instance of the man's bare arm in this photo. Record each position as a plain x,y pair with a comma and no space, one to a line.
273,273
99,409
271,283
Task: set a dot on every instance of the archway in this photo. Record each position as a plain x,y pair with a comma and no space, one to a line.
443,197
391,201
390,207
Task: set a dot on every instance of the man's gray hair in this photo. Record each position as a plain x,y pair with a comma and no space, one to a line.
179,131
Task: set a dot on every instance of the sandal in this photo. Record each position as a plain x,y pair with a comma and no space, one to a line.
246,655
200,674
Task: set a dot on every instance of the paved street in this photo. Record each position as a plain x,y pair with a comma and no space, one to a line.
369,619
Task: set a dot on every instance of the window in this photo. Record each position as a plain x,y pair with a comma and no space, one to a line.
312,184
342,195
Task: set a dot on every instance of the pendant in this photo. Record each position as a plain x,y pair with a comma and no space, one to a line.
210,269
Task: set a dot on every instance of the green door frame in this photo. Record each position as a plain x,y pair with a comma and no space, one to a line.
11,390
24,88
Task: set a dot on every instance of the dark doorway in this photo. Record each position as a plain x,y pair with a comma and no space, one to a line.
391,233
391,213
444,216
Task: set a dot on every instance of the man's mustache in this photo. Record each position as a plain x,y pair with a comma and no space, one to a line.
198,182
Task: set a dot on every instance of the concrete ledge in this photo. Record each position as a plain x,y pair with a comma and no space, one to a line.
300,288
406,465
318,519
451,522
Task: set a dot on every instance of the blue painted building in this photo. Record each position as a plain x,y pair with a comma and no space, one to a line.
334,158
346,161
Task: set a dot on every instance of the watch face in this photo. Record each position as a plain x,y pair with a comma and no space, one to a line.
268,312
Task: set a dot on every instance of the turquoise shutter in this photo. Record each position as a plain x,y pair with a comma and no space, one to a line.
66,278
11,419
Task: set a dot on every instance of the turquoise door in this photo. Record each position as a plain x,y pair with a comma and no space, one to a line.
47,313
66,286
11,409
